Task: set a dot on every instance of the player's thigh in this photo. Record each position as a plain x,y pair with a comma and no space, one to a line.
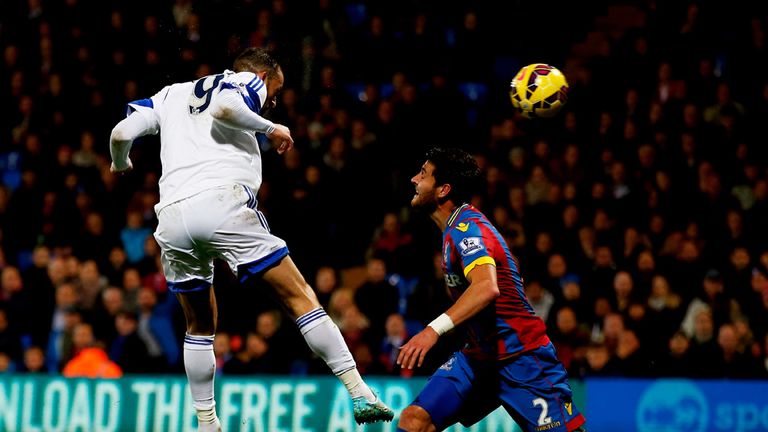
457,392
535,391
185,266
242,236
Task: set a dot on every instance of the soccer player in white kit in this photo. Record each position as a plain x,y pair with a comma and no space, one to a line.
211,174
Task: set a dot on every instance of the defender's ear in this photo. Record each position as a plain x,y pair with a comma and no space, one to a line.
444,190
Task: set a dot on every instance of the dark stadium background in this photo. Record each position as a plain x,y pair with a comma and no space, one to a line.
648,187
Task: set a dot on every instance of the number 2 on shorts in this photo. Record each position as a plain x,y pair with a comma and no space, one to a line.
543,418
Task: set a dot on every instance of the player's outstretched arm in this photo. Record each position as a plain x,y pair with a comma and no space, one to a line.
121,139
482,291
231,110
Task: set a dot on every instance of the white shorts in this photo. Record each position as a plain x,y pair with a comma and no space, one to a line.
221,222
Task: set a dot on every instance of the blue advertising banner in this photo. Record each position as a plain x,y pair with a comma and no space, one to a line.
677,405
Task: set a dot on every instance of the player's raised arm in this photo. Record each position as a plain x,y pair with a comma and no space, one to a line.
232,108
141,120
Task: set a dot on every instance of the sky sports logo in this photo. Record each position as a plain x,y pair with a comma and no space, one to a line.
689,406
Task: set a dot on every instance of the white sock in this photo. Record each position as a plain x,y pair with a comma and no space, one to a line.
355,385
325,340
200,364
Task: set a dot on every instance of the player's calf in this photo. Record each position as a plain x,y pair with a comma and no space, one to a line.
415,419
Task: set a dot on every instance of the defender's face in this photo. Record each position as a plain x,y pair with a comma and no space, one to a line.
426,189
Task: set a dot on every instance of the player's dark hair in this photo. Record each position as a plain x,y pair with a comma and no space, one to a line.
255,59
457,168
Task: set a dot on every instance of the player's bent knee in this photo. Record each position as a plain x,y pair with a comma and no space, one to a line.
415,419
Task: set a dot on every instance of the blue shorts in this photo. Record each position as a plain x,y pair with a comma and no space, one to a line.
532,388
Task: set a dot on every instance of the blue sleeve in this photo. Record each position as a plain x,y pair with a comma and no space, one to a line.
149,108
133,106
250,87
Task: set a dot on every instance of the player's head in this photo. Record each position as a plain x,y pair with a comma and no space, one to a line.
449,174
260,62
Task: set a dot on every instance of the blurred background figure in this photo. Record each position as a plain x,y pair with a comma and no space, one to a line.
90,360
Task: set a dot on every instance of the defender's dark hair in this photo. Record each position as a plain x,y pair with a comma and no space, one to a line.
256,59
457,168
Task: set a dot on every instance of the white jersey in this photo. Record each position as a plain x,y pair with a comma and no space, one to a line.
197,151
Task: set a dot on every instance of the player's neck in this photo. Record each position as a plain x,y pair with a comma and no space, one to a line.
442,213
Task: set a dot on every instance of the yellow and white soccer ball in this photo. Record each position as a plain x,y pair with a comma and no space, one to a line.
539,90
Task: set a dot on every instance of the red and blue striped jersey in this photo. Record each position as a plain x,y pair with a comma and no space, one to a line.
508,326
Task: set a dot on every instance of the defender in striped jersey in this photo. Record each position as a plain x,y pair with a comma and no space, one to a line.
508,359
211,176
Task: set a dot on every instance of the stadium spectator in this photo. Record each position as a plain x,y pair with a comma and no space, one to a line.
569,339
34,360
92,362
65,317
395,336
714,296
284,345
630,356
598,362
377,298
16,299
326,281
9,340
132,286
255,358
676,362
91,284
572,296
613,327
156,330
540,298
623,287
355,327
731,362
133,236
222,349
39,287
115,265
7,365
391,244
103,315
704,344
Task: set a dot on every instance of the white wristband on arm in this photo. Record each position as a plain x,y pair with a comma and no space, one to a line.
442,324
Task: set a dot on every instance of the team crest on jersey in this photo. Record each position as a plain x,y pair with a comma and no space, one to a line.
449,364
463,227
569,408
470,245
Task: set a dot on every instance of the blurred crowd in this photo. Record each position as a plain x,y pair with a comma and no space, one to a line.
635,213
